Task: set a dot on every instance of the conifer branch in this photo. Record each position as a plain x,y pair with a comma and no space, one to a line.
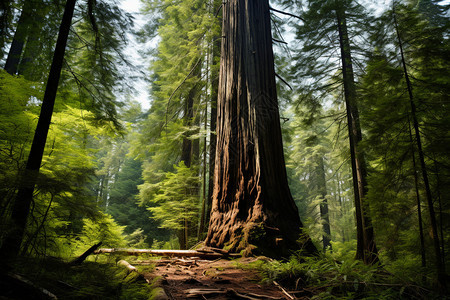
284,81
286,13
279,41
218,10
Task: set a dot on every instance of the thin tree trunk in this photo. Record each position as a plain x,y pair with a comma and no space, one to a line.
201,227
366,248
326,238
213,118
21,207
252,207
434,231
441,227
6,16
20,35
341,205
33,47
419,209
186,150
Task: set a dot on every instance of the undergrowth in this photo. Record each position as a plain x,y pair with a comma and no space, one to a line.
324,277
90,280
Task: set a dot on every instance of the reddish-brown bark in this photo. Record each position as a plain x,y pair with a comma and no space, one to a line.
252,207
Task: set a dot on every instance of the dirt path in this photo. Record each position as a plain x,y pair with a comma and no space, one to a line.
203,279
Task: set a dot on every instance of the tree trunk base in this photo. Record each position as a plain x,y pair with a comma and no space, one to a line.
253,238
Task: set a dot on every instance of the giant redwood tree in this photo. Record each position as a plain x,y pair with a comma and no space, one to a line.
252,207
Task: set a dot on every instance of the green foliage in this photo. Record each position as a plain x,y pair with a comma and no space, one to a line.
173,131
17,121
339,277
176,202
390,140
62,195
103,229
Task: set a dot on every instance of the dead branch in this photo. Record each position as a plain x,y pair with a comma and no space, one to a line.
283,290
83,256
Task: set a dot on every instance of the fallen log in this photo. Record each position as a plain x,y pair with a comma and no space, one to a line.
213,250
169,253
132,269
127,265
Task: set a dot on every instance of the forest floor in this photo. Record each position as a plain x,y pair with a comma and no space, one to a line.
204,279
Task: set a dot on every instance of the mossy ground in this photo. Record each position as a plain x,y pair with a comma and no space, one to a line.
90,280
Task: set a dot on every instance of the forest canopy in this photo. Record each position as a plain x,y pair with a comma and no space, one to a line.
270,128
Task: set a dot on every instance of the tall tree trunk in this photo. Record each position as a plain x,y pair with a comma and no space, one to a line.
216,45
33,48
6,16
341,205
366,248
252,207
21,206
434,231
416,187
20,36
201,227
326,238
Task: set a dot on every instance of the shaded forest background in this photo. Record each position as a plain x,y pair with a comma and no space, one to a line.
129,177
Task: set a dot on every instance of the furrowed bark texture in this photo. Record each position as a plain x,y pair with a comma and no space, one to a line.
252,207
